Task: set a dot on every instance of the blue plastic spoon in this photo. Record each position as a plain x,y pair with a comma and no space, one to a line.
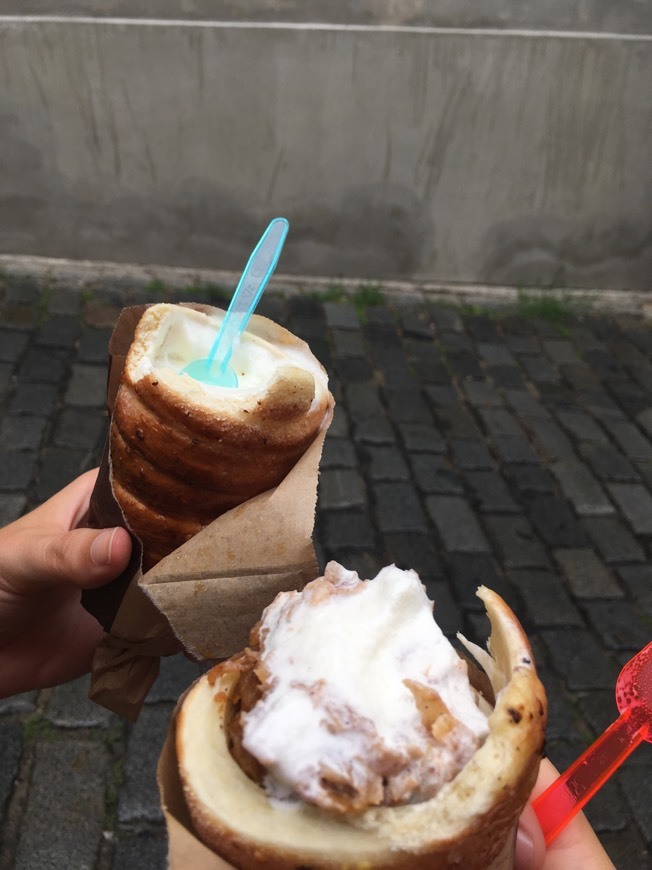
215,369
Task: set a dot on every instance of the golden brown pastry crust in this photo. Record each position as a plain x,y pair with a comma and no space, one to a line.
178,464
469,824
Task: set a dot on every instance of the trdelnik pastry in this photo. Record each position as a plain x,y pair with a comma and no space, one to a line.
183,452
352,735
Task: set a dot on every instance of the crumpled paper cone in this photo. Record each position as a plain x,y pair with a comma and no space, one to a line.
205,596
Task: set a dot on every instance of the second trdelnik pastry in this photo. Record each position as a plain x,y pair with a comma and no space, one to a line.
184,452
350,735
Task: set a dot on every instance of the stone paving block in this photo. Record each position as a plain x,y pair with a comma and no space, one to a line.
582,427
447,319
516,542
540,370
12,506
549,438
363,400
58,467
29,398
506,377
632,441
398,509
407,406
635,502
497,354
78,428
339,489
59,330
446,612
347,343
455,421
176,674
12,344
338,453
415,550
464,365
561,352
65,831
515,450
417,324
17,469
545,597
347,529
87,386
562,715
64,300
644,420
435,474
93,345
22,432
472,455
523,344
366,564
482,329
554,521
627,849
579,659
457,525
427,364
339,428
6,370
11,747
143,850
139,800
467,571
341,315
489,492
374,430
421,438
530,479
587,575
387,463
619,625
441,395
608,463
579,377
353,369
613,540
581,488
481,394
638,582
498,421
636,783
70,707
43,365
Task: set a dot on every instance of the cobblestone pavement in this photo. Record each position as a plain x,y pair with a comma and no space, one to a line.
474,447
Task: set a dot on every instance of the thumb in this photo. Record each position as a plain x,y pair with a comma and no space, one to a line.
83,557
530,842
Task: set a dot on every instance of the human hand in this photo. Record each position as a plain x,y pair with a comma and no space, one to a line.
575,846
46,636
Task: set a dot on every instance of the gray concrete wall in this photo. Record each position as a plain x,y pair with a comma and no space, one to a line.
452,155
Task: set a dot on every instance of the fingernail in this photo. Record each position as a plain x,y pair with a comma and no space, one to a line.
101,548
524,850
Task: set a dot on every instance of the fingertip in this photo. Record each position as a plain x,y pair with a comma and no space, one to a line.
111,548
530,843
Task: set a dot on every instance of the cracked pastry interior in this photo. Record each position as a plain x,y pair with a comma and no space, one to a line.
351,734
183,452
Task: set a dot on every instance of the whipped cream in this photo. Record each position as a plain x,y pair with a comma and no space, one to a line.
174,336
339,723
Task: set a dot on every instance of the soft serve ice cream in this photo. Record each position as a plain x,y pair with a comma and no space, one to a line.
349,736
365,702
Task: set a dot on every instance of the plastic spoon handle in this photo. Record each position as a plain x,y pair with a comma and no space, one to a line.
257,272
566,796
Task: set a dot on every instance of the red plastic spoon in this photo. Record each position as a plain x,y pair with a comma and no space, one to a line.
568,794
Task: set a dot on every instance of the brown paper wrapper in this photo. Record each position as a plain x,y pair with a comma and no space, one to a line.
186,850
205,596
